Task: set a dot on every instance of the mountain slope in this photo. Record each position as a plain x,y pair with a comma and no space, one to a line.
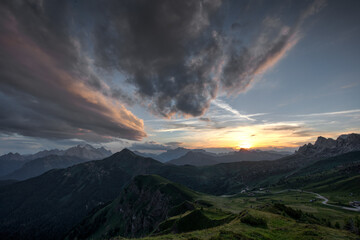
196,159
44,153
171,154
142,205
342,160
336,177
49,205
165,156
13,161
202,158
59,199
250,155
38,166
10,162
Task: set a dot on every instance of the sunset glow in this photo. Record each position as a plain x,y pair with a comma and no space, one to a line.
245,145
236,82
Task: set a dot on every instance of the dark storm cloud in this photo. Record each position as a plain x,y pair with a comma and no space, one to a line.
177,54
156,44
47,87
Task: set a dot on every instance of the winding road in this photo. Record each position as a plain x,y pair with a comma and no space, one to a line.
325,200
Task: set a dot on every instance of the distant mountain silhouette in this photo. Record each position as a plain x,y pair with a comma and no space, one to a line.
10,162
166,156
38,166
202,158
14,161
195,158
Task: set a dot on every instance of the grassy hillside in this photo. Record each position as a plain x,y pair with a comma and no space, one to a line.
254,224
344,160
337,178
254,215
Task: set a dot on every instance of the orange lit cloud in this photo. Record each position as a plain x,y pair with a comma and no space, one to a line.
48,99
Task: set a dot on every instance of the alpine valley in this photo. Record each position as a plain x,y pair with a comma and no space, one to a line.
87,193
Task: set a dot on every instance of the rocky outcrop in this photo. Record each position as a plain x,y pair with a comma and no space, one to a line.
328,147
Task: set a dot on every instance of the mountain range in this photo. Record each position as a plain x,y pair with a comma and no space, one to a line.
166,156
10,162
20,167
326,147
88,197
203,158
38,166
200,157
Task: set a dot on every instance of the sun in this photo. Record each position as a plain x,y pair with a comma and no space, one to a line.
245,145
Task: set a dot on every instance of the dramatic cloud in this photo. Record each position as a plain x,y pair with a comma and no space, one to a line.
69,69
47,87
178,56
158,46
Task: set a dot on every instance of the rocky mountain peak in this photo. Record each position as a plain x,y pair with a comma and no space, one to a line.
126,151
123,154
12,156
325,142
327,147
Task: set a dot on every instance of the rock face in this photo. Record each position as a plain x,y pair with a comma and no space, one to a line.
328,147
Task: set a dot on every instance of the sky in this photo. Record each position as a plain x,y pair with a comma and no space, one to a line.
156,75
